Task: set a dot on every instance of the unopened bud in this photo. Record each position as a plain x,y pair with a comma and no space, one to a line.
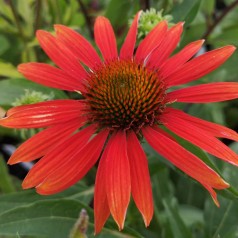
80,228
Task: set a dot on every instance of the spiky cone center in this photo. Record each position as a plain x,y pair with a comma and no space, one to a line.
124,95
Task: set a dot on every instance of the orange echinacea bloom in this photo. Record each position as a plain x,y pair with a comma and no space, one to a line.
125,98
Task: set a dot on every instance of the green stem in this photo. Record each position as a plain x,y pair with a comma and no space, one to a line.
17,20
38,15
223,219
6,184
20,31
217,20
58,12
87,18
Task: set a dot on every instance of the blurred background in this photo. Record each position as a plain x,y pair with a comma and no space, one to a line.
183,209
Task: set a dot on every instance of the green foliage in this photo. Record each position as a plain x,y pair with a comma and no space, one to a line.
13,89
6,184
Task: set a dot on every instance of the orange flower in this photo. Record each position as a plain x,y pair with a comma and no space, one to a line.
125,98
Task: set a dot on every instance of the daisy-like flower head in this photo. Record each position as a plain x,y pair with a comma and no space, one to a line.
125,98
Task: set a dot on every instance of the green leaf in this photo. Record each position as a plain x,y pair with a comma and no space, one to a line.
14,200
5,10
8,70
186,11
4,44
191,215
208,6
52,218
228,35
193,12
221,222
26,11
6,185
115,9
12,89
177,225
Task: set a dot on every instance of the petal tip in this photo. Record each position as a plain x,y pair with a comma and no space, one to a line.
40,33
228,50
40,190
147,221
101,19
232,48
201,42
26,184
12,161
215,200
60,28
22,67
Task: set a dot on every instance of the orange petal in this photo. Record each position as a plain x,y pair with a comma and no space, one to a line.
183,159
61,55
101,208
169,43
175,62
72,169
59,156
213,128
200,66
105,38
42,114
140,178
212,193
128,46
151,41
199,137
79,46
43,142
118,183
50,76
205,93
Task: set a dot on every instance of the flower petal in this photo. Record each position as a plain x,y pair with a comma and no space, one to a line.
79,46
128,46
105,38
77,166
213,128
43,142
118,183
167,46
50,76
58,156
183,159
205,93
151,41
199,137
101,208
140,178
200,66
61,55
212,193
42,114
175,62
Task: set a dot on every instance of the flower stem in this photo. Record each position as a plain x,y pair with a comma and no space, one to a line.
38,15
87,18
145,4
17,20
20,31
218,19
223,219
